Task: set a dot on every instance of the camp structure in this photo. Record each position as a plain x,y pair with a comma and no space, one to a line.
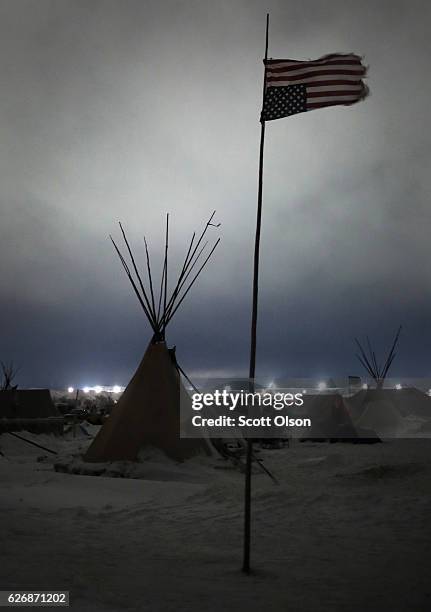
330,420
389,411
379,413
29,409
368,359
148,412
407,401
329,417
378,408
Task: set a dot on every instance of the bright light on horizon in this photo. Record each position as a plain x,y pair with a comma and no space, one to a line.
70,389
98,389
398,386
321,386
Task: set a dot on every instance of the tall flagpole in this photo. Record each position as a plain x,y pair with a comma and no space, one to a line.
252,368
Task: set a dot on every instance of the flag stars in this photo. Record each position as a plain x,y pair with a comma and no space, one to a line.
284,101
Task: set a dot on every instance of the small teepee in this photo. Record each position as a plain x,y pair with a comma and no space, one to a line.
148,412
376,370
376,408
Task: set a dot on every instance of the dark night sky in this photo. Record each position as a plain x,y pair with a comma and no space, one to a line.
130,109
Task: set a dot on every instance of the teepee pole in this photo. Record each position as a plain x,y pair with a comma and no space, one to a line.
252,367
177,305
165,292
135,288
150,278
138,276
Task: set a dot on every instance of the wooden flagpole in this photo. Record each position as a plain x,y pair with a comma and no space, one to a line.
252,368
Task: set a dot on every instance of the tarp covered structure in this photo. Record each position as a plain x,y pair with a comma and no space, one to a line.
29,409
27,404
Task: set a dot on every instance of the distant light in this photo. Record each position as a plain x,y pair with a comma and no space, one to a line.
398,386
321,386
86,389
429,391
70,389
116,389
98,389
271,384
304,391
365,386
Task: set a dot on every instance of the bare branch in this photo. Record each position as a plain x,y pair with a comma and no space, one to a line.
9,372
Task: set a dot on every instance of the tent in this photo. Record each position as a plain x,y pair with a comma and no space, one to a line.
27,404
148,412
411,401
385,410
329,417
331,420
29,409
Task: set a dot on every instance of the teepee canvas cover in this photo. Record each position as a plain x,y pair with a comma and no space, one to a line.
385,409
375,408
383,417
148,414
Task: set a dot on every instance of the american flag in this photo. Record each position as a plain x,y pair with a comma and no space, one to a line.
293,86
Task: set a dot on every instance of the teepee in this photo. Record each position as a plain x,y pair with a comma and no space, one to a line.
148,412
376,409
379,408
376,370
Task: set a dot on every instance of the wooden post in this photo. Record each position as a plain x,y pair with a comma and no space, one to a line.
252,367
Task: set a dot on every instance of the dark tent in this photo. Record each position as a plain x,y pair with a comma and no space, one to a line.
27,404
29,409
331,420
407,401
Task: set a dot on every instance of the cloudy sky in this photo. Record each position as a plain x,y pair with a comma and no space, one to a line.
129,109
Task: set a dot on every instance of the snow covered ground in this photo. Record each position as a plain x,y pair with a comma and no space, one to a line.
347,529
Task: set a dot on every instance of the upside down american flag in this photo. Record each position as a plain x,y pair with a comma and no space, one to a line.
293,86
